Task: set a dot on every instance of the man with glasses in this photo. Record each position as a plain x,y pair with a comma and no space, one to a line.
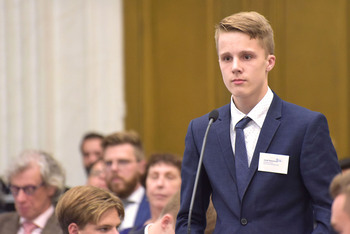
125,166
35,180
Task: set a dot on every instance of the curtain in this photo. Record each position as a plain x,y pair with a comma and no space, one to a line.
61,75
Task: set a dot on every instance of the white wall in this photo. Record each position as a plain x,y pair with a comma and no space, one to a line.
61,75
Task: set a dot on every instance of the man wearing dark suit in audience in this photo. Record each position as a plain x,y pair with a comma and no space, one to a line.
36,180
125,166
271,175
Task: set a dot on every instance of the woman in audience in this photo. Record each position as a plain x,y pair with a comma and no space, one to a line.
163,180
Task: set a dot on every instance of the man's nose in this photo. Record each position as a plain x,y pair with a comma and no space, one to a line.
21,196
236,66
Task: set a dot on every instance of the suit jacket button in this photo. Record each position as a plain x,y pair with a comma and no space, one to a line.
244,221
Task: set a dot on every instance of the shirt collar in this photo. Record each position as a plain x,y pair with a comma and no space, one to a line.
42,219
257,114
136,196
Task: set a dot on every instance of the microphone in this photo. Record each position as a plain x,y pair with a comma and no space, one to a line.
213,116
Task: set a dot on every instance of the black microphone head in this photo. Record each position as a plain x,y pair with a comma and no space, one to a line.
214,114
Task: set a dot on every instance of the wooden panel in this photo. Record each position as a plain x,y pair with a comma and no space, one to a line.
172,73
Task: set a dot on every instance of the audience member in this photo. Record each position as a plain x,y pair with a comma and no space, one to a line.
125,165
91,149
89,210
35,180
267,163
97,175
340,191
163,180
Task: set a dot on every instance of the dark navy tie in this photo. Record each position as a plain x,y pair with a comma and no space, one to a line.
241,158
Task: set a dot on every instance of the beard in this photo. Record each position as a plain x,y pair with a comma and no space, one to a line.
124,189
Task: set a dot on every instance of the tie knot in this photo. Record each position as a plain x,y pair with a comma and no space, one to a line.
243,122
127,202
29,227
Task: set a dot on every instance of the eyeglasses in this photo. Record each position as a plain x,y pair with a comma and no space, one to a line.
28,190
122,163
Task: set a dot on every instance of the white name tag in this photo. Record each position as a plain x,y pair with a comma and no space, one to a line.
275,163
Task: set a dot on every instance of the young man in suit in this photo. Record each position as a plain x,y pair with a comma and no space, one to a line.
271,175
36,180
89,210
125,167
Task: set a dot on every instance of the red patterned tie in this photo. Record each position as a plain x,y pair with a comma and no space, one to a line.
29,227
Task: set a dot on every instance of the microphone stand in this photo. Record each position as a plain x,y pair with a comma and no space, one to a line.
197,176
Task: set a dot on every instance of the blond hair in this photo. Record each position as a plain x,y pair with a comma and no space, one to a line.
85,204
251,23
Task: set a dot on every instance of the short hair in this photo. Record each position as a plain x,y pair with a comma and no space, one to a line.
167,158
89,136
341,185
85,204
51,171
125,137
251,23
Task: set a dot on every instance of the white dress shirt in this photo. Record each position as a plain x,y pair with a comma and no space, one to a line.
131,206
253,128
40,221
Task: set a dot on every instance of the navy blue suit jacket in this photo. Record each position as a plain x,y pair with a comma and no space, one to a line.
295,203
144,213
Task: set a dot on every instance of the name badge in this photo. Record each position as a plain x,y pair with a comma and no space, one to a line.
275,163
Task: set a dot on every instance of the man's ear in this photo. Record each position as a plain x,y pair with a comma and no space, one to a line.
167,221
271,60
51,190
73,228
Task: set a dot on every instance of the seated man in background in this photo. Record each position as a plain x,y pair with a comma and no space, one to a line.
89,210
91,149
340,191
35,180
125,166
97,175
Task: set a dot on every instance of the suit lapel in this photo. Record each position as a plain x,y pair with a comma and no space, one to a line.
268,130
223,132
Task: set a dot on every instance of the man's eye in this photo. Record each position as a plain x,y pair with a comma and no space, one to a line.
104,229
226,59
247,57
108,163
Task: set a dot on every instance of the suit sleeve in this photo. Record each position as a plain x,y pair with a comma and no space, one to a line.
193,144
319,165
